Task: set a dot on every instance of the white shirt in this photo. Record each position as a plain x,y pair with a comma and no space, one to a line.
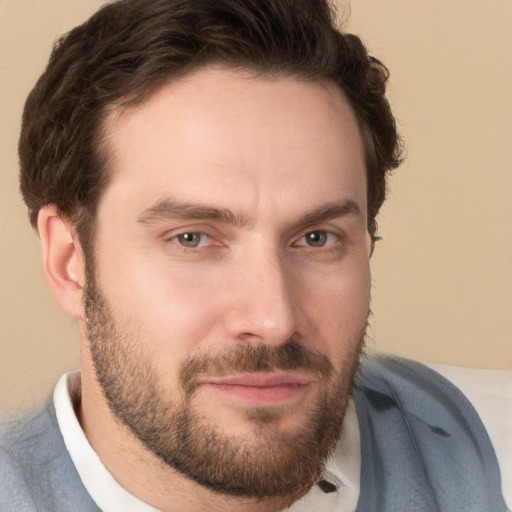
490,392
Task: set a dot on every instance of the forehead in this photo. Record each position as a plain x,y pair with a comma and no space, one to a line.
220,130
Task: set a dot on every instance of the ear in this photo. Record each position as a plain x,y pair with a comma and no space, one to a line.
63,260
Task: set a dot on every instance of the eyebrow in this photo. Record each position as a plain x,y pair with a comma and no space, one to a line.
330,211
170,209
166,209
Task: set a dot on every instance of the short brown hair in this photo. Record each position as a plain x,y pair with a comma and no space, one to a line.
129,48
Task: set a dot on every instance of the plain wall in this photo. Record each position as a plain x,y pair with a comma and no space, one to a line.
442,276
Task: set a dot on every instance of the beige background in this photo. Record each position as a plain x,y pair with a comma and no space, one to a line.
443,273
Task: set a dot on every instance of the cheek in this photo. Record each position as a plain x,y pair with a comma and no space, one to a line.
174,306
168,311
337,306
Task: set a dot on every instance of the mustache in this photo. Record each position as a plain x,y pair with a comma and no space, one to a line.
290,356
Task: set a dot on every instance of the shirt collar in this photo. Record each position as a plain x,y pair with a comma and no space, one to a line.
100,484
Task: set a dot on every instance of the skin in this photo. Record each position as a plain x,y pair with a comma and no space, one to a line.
273,155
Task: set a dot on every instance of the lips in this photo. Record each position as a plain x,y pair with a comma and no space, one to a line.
260,388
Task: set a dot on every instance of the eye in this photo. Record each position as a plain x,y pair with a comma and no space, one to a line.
192,239
318,238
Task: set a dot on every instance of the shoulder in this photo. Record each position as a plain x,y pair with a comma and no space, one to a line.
27,443
422,432
32,437
490,393
36,471
417,387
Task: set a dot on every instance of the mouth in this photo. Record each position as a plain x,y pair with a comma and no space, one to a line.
261,389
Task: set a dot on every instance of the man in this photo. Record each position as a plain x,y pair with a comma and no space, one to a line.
204,178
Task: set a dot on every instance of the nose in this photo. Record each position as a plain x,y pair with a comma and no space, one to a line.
264,307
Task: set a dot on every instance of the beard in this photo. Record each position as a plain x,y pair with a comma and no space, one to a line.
270,463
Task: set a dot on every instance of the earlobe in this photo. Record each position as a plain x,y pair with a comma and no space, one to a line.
63,261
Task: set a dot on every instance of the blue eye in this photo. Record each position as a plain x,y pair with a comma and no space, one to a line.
192,240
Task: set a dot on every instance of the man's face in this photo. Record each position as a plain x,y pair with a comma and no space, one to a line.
229,295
